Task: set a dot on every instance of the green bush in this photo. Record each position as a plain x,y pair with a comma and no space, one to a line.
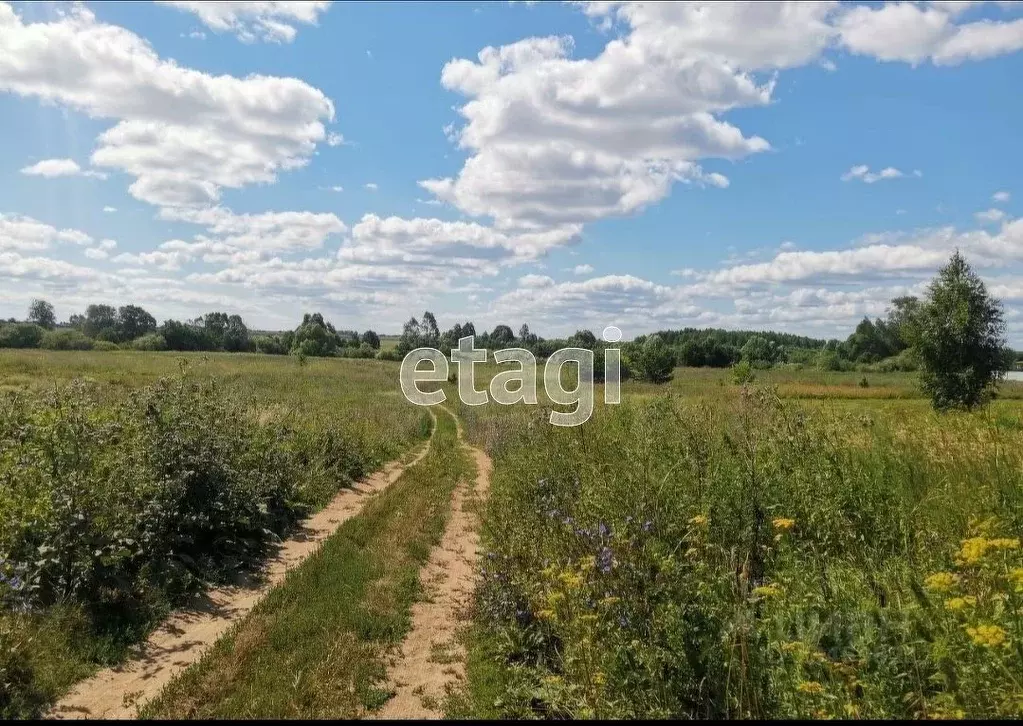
66,340
117,508
150,341
742,373
20,335
104,345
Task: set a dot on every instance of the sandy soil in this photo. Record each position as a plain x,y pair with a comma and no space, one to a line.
185,635
431,660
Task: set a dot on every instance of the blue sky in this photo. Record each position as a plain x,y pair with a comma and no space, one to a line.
767,165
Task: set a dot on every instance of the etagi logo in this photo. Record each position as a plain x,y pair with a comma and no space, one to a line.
466,356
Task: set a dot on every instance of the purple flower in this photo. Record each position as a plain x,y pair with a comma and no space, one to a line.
648,525
605,559
603,530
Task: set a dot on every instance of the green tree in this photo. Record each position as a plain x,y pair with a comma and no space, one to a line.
100,322
134,322
655,360
502,337
959,338
236,335
371,339
759,351
315,336
902,319
41,313
411,338
429,330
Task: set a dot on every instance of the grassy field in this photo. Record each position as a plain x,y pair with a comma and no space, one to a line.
807,547
130,480
813,545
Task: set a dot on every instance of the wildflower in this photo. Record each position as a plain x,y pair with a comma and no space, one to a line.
605,560
811,687
603,530
771,590
958,604
599,679
648,525
700,520
545,615
941,582
587,563
610,600
976,548
783,523
571,579
1016,577
989,636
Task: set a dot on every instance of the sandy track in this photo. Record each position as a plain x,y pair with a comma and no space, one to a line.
186,634
431,659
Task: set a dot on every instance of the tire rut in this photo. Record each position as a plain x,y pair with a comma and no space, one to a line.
431,659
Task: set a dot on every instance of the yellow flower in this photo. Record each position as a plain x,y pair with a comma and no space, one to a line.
599,678
783,523
812,687
1016,577
941,582
546,614
989,636
975,548
610,600
587,563
770,590
957,604
700,520
571,579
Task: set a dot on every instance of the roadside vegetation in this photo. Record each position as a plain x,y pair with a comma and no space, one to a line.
121,497
745,556
315,646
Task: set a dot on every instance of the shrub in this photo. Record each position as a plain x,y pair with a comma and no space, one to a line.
742,373
20,335
105,345
150,341
654,360
66,340
269,344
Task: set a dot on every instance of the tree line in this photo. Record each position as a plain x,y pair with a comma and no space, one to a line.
104,327
954,337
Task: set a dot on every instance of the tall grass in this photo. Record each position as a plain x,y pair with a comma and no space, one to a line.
743,556
126,490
